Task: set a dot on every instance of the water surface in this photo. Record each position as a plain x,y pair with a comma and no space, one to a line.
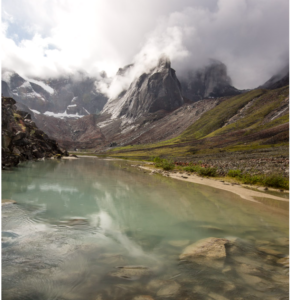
79,224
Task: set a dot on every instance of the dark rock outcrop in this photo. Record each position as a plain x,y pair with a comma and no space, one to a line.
209,82
21,139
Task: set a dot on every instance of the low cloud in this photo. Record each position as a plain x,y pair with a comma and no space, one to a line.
52,38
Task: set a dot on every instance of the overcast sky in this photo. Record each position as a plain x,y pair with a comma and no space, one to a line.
51,37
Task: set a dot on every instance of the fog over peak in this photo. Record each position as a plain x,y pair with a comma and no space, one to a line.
50,38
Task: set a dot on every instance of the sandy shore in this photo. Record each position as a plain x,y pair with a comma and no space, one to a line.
236,189
79,156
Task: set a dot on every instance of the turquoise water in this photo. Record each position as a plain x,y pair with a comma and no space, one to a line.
78,224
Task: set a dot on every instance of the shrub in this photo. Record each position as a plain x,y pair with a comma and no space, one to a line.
276,181
163,163
234,173
211,172
168,165
157,159
251,179
191,168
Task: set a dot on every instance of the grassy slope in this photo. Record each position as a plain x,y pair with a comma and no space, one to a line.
210,125
217,117
257,112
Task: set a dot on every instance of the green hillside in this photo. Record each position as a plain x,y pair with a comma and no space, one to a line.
258,125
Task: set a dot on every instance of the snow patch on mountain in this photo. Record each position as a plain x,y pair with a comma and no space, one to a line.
45,86
86,111
62,115
35,111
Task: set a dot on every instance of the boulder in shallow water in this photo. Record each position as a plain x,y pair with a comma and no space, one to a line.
210,251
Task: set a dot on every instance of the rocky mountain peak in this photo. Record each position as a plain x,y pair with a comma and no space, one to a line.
207,82
159,89
164,62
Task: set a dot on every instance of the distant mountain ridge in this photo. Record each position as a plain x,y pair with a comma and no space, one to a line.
155,98
75,96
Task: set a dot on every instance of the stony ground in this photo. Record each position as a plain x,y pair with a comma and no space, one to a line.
263,161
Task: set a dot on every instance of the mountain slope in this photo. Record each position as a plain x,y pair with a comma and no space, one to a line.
257,119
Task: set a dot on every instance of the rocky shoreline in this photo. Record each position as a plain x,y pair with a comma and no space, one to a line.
21,138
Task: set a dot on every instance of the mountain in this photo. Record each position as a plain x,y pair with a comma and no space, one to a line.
73,95
278,80
255,120
157,90
155,106
210,81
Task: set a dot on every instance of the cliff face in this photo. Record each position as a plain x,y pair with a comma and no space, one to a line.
21,139
209,82
157,90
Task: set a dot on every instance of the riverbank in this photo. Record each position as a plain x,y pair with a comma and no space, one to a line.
246,192
237,189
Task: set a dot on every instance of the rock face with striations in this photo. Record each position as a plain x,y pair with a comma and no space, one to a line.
210,81
21,139
157,90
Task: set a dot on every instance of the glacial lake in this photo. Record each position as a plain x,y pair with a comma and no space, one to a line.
99,229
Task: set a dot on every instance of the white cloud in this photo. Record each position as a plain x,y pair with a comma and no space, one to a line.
249,36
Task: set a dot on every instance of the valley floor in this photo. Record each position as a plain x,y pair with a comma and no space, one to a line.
262,161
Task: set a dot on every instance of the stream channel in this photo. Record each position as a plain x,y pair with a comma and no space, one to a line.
97,229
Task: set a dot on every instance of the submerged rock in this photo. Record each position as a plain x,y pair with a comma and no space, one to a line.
170,289
210,251
8,201
131,272
269,251
143,297
75,221
179,243
284,261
